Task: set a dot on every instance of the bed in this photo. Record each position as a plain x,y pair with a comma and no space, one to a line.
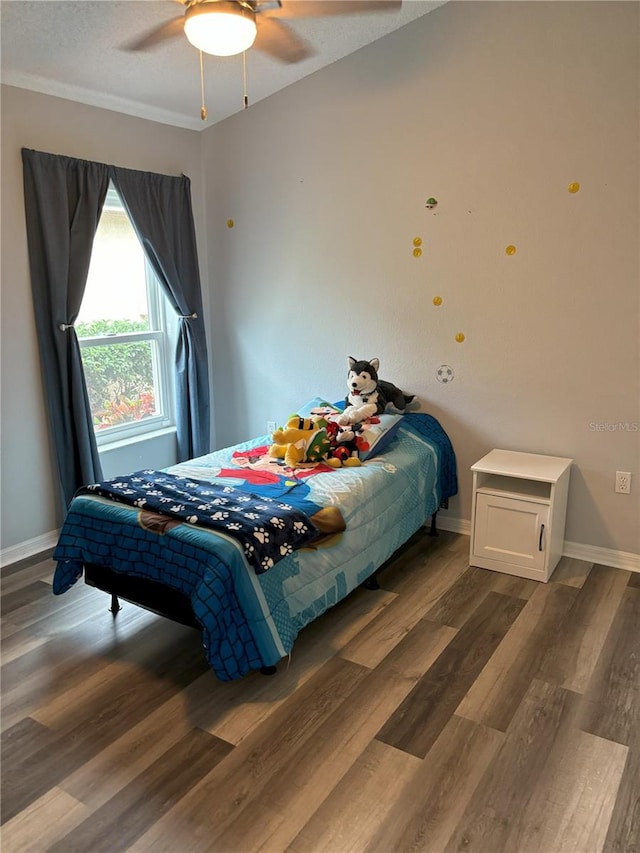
248,606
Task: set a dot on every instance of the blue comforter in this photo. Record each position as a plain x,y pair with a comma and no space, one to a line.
250,620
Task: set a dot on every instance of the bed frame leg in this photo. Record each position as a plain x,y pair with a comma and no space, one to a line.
432,529
115,604
269,670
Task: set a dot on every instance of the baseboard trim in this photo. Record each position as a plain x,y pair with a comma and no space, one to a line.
30,548
604,556
588,553
453,525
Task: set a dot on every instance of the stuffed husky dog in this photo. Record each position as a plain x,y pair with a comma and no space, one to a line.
369,395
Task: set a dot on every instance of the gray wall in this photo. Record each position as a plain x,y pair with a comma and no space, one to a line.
494,109
30,501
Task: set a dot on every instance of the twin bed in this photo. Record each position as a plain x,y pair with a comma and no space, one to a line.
248,550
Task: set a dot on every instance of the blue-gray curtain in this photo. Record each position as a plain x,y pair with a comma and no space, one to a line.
63,201
159,207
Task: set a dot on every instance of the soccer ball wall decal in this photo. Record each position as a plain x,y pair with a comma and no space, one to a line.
445,374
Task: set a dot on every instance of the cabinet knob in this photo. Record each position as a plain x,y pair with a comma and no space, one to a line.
540,540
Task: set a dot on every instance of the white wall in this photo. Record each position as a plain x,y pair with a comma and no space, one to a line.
30,500
494,109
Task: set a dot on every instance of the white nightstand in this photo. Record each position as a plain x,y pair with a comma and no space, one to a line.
518,513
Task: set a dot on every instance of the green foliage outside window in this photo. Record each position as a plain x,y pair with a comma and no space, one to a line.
119,377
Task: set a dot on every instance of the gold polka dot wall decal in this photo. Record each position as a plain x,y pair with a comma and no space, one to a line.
417,252
230,223
574,187
417,241
437,300
460,337
510,250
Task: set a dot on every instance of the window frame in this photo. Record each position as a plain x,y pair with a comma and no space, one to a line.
162,335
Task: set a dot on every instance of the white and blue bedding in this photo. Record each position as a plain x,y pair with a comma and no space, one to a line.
250,620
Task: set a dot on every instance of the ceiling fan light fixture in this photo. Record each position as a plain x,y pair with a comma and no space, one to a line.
220,27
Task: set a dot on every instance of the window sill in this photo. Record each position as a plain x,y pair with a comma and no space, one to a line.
136,439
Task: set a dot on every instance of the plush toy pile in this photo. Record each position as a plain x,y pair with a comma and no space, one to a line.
339,439
319,438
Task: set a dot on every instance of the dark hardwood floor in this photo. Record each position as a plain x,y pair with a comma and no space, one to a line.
454,709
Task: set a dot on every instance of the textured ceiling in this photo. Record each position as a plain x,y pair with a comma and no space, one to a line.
74,49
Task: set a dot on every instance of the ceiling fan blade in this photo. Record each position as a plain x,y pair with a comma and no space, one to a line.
325,8
278,40
157,35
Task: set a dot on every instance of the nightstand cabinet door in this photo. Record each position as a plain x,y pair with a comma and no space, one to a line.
512,532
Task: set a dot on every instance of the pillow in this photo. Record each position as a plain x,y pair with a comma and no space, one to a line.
379,435
316,407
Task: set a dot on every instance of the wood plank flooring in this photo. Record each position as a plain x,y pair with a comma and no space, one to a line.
454,709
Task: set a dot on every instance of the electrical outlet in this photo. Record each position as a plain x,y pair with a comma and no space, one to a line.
623,482
271,427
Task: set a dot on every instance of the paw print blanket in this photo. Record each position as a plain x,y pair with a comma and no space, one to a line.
268,529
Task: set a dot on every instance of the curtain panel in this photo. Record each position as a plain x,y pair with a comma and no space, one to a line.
159,207
63,202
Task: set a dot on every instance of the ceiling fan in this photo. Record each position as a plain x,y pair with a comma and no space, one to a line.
228,27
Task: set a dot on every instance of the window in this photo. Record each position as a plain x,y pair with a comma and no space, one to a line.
125,329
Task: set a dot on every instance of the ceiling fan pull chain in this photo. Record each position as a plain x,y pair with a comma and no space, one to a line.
203,109
244,79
